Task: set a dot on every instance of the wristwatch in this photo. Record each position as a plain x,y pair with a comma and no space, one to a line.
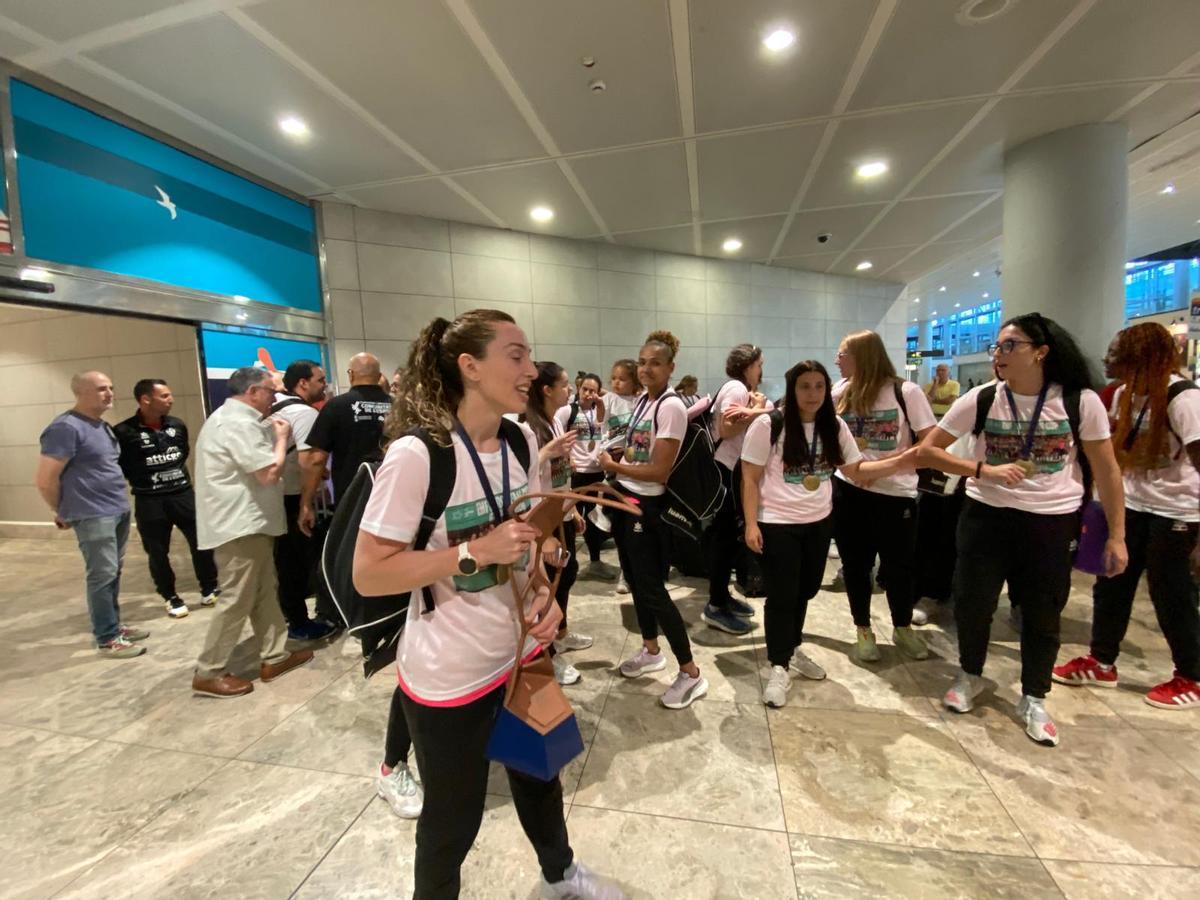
467,564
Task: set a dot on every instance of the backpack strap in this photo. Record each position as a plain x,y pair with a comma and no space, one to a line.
983,405
511,432
1071,400
573,416
776,417
284,404
898,388
443,470
1174,391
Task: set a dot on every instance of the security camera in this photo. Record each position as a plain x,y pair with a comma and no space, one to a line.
824,236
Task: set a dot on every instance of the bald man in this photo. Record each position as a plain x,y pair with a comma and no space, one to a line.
350,429
81,481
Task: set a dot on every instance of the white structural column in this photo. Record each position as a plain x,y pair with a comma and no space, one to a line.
1065,201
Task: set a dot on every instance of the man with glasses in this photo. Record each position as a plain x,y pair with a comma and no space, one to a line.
239,504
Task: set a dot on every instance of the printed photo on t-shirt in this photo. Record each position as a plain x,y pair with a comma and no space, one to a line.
880,428
639,441
560,472
1005,439
618,424
471,520
797,474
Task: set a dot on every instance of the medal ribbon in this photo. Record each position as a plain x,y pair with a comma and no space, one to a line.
1027,444
484,482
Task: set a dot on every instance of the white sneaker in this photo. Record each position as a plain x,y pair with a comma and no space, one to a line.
581,883
775,693
1038,724
622,587
642,662
211,598
572,641
920,617
961,696
806,667
684,691
564,672
401,792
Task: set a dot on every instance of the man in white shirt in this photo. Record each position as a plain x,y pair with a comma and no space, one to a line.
239,513
295,551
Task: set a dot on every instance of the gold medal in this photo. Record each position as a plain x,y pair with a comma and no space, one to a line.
591,446
628,454
811,482
1027,466
502,573
861,442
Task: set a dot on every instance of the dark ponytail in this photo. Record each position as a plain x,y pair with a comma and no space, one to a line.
535,407
1065,364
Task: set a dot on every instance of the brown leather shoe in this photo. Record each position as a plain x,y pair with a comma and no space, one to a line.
271,671
222,686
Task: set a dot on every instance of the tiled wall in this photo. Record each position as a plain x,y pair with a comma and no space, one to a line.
585,304
40,349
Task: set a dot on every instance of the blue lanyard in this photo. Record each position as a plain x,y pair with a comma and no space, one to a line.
1027,445
484,482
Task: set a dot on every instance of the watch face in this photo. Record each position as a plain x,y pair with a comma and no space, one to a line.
468,566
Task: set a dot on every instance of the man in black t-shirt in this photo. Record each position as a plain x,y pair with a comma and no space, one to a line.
154,452
350,429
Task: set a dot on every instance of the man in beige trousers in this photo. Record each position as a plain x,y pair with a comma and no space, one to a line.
239,513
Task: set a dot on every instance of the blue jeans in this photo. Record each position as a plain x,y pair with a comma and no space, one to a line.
102,542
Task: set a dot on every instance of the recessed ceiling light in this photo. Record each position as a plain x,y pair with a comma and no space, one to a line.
731,245
541,214
942,289
863,266
871,169
986,295
915,320
916,299
975,274
957,305
779,39
1168,189
293,126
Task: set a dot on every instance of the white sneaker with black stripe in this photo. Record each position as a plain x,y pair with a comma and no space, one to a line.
685,691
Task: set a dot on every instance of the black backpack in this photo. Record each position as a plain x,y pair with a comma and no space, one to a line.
378,621
695,488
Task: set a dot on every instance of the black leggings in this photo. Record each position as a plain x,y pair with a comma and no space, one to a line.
1032,553
793,563
451,742
642,548
721,540
397,743
866,524
570,571
593,537
1160,547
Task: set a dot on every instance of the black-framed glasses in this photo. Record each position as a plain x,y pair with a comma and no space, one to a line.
1006,346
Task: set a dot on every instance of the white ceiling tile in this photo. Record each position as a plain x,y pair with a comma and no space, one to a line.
925,54
754,174
977,164
1161,111
906,140
844,224
1119,39
411,65
814,262
982,226
757,237
61,20
738,82
881,259
12,46
638,188
677,240
630,41
917,221
206,67
927,260
511,193
430,198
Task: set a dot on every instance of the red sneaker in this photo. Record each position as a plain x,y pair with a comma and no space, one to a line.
1178,693
1085,670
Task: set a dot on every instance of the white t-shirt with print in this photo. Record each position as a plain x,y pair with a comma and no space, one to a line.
1056,487
465,647
732,393
783,498
556,471
645,431
888,433
301,417
588,427
617,410
1172,489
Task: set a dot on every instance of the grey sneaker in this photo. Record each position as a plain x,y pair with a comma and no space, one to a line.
961,696
120,648
806,667
581,883
600,571
724,620
130,633
642,662
401,792
775,693
572,641
1038,724
685,691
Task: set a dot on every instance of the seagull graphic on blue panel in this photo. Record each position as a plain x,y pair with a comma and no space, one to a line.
165,202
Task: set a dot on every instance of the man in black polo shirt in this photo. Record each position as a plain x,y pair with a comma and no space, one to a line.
350,428
154,452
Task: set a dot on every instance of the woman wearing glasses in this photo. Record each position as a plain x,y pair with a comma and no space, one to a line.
1021,514
879,518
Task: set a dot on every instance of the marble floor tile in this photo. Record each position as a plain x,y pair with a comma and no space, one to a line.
1099,796
249,831
831,868
28,753
887,778
373,860
597,664
1179,746
710,762
64,818
1128,700
1096,881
